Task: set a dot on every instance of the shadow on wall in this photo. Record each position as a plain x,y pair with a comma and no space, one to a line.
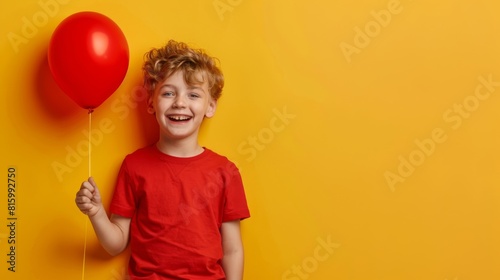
149,131
55,102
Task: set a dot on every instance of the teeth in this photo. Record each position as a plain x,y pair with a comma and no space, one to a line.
179,118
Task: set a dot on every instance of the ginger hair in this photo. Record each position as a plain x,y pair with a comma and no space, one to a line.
161,63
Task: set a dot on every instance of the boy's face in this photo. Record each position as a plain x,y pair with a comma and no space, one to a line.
179,107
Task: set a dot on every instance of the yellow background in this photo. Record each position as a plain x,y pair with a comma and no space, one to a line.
324,101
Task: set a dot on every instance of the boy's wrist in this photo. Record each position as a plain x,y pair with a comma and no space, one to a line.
99,213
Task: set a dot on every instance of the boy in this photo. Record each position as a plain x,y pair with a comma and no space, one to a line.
178,204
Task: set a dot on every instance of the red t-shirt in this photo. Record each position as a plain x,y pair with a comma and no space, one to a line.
177,206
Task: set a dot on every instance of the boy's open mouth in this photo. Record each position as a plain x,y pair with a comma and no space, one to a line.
179,118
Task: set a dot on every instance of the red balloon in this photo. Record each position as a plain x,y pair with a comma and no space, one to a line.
88,57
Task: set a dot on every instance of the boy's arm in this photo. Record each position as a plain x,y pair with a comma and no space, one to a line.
113,233
232,261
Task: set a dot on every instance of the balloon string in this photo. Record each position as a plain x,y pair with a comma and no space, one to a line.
90,174
84,249
90,144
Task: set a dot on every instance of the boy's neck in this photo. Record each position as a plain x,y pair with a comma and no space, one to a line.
178,148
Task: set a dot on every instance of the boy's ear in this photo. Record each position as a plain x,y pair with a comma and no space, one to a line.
212,105
151,109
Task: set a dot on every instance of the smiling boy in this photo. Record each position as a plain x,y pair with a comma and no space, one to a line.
176,203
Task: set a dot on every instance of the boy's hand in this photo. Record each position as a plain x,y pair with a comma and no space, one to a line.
88,198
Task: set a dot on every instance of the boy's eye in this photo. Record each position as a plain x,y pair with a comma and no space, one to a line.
168,93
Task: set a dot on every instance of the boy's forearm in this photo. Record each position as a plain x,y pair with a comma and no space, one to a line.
232,263
110,235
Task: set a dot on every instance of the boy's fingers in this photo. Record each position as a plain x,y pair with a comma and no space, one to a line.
81,199
87,186
84,194
92,182
95,189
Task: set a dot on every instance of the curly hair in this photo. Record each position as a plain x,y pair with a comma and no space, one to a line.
161,63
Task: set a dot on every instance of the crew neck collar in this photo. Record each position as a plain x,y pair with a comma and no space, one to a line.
172,158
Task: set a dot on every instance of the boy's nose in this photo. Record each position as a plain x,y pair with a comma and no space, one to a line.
179,102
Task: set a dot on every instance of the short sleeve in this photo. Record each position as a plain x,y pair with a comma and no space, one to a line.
235,206
123,202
